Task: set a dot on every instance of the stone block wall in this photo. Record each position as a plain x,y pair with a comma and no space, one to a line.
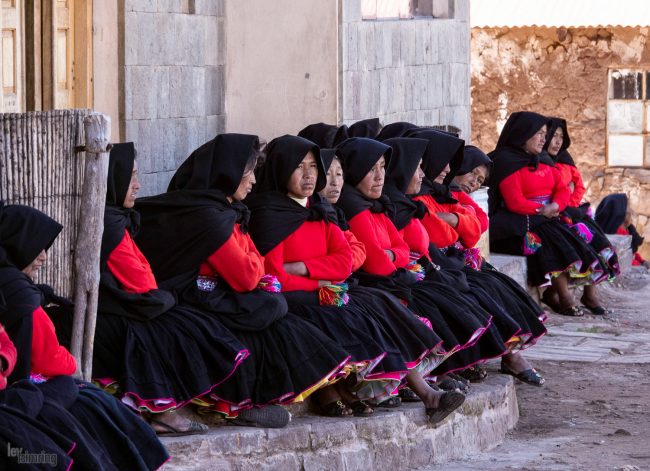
561,72
173,76
413,70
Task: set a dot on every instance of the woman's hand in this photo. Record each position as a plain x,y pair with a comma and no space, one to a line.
390,254
449,218
322,283
550,210
296,268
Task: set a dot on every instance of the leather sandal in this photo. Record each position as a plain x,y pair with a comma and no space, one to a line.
390,403
335,409
475,374
529,376
596,310
451,384
573,311
171,431
267,417
449,402
407,395
361,409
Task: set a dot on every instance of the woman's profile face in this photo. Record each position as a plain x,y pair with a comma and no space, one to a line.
535,144
245,185
373,183
332,190
416,181
302,181
31,269
134,187
556,142
441,177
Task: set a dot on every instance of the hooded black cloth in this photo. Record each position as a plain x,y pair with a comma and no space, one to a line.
275,216
406,156
610,213
24,233
365,128
324,135
563,156
117,219
473,157
443,149
358,155
183,227
398,129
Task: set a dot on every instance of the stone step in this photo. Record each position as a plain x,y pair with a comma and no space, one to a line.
389,440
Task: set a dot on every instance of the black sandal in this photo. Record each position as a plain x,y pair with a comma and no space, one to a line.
449,402
390,403
572,311
194,428
475,374
267,417
335,409
451,384
407,395
529,376
361,409
596,310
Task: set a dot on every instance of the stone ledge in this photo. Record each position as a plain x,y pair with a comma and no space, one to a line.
512,265
399,439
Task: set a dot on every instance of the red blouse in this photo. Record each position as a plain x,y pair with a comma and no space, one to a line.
130,267
467,201
519,188
323,249
571,174
7,356
49,358
377,233
416,237
358,250
468,230
237,261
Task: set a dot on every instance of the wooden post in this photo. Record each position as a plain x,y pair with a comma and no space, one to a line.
97,129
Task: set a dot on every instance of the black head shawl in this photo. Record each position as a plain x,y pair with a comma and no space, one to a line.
610,213
403,164
24,233
275,216
324,135
365,128
117,218
510,156
443,149
358,155
183,227
398,129
563,156
473,157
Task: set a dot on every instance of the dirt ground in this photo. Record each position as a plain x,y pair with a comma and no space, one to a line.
594,411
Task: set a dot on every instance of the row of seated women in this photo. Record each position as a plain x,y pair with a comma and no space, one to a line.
346,273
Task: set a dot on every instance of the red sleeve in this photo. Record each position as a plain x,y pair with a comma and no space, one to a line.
469,227
561,192
511,189
440,233
622,231
130,267
638,259
337,264
365,230
273,262
358,250
467,201
238,262
49,358
578,188
8,355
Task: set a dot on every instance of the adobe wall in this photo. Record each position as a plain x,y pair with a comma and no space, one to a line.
561,72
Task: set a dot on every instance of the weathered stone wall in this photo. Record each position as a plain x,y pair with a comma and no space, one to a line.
561,72
173,69
413,70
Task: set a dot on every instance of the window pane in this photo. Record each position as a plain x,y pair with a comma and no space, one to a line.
625,151
625,84
625,116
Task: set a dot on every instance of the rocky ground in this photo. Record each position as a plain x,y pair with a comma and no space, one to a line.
594,411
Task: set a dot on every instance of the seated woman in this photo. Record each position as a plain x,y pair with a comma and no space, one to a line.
161,355
93,428
614,216
310,255
462,326
576,215
196,237
527,195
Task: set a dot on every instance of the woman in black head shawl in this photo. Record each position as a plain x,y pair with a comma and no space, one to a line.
162,355
474,170
398,129
526,196
365,128
324,135
222,274
60,403
614,216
